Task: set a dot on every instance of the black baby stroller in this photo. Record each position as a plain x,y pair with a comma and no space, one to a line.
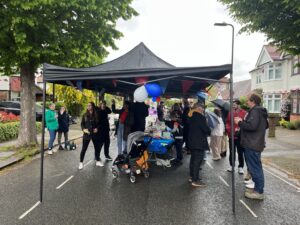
135,162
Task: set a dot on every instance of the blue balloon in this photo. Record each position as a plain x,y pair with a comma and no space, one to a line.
154,99
154,90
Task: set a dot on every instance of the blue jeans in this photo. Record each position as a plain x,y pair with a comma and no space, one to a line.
253,161
52,134
122,144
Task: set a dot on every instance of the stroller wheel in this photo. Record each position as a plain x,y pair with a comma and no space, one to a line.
114,173
146,174
132,179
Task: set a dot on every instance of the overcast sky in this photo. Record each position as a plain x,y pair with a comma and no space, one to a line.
182,32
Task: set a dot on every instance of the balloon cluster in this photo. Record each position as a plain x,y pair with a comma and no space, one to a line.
152,89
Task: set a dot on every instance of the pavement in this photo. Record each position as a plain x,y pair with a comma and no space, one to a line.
8,158
282,153
91,196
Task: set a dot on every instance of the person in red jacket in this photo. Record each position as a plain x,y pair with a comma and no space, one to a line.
237,112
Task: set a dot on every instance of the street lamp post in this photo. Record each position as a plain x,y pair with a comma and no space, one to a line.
231,114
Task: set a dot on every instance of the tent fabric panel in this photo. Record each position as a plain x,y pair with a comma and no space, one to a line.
214,72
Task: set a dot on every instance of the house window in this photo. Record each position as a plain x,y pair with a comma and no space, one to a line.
274,71
296,65
295,95
258,79
272,102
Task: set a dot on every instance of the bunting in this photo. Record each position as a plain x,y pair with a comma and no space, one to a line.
163,85
186,85
141,80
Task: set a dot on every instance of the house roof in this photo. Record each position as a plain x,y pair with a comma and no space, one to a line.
268,53
241,88
120,75
273,52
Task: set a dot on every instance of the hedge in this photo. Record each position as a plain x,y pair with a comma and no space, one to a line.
9,131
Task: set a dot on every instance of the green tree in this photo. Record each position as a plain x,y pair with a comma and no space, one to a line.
65,32
278,19
74,100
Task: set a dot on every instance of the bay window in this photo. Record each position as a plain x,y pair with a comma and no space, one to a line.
272,102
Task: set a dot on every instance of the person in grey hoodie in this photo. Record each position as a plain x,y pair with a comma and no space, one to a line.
253,129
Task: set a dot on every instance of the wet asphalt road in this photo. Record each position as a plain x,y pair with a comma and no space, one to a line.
91,196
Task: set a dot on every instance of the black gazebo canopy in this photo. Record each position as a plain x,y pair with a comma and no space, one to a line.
122,74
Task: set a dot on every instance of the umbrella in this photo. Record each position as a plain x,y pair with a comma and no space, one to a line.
222,104
212,119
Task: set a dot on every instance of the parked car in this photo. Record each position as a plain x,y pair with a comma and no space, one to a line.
15,106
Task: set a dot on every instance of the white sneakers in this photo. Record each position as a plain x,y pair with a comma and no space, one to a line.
249,184
240,170
52,150
99,163
229,169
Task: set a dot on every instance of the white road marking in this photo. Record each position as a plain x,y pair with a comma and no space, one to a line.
67,180
294,186
247,207
224,181
209,164
28,211
84,165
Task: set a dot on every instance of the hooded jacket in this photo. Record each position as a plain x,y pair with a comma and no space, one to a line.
63,122
198,131
253,129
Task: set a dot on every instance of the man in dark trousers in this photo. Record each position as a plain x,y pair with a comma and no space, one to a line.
103,112
184,116
237,112
197,142
253,130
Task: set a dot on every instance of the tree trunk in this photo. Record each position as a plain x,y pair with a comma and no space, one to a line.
27,132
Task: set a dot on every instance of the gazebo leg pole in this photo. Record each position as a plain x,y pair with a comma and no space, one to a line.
42,142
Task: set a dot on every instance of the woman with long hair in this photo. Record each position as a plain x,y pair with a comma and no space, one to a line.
90,128
63,126
126,121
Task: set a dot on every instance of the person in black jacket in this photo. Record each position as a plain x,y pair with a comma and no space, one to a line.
140,112
197,142
63,126
177,131
184,116
104,137
90,128
253,130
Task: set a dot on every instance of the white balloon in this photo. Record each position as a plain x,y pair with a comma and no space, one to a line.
140,94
